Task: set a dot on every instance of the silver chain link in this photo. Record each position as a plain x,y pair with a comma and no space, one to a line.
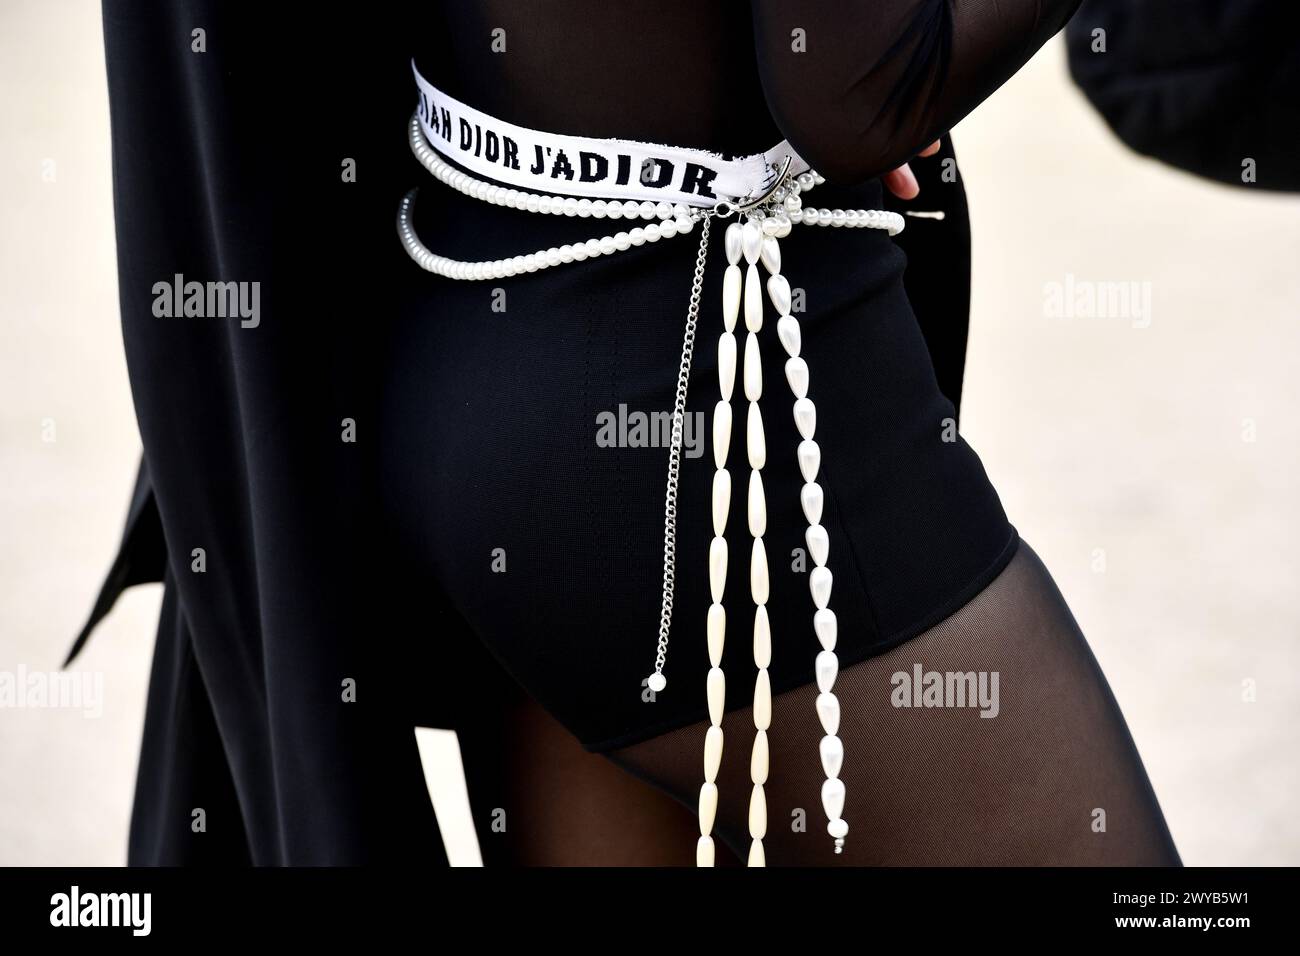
675,449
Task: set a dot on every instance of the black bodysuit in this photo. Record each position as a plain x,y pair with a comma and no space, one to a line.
490,417
387,475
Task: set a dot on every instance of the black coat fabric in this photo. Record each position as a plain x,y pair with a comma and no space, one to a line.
289,670
1203,85
253,749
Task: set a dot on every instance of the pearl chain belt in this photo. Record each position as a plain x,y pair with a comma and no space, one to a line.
764,216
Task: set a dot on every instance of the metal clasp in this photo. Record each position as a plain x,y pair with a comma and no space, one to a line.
729,206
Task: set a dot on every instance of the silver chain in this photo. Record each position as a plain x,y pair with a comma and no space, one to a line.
675,449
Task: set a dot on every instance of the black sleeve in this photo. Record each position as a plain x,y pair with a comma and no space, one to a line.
1209,87
860,87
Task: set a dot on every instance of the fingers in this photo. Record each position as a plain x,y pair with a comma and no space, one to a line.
902,183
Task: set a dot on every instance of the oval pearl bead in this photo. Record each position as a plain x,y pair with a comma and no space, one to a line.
726,365
787,330
819,582
833,798
796,373
762,637
757,505
805,417
753,369
721,433
756,856
708,807
732,243
656,682
762,700
759,583
819,543
713,753
716,631
838,828
826,627
827,668
717,568
753,300
759,758
721,500
731,284
751,241
810,457
771,255
810,496
715,690
831,749
704,851
828,712
755,438
778,290
758,812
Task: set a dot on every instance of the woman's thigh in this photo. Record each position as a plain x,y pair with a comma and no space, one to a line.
991,739
538,798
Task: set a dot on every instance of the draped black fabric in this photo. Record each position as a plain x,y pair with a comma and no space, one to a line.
300,640
271,613
1208,86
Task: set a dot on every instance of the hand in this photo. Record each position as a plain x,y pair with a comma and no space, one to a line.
901,182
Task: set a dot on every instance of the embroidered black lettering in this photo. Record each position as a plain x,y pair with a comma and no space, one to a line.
561,169
696,180
466,135
539,164
491,147
624,169
592,167
511,157
656,173
446,123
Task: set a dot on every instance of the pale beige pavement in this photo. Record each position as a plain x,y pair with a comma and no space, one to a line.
1113,446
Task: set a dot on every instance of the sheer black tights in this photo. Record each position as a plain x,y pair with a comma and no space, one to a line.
1051,777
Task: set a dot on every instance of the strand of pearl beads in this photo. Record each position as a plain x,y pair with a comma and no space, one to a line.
754,245
811,499
831,748
716,625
